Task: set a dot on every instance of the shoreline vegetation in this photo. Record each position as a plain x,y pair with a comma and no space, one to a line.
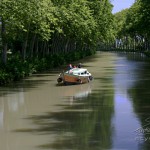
16,69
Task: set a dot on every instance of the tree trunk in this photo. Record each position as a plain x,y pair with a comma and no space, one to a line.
37,47
66,46
32,44
25,44
4,42
24,49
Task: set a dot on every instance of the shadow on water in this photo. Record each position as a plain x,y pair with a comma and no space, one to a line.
25,84
85,125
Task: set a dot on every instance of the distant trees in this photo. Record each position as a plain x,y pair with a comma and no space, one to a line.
140,17
133,24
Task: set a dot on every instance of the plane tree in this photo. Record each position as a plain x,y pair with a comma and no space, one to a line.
31,26
23,19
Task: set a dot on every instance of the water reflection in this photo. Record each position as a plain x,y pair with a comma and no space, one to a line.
1,113
85,125
15,104
76,92
125,120
140,96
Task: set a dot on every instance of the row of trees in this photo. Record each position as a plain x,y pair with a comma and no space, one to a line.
37,28
133,24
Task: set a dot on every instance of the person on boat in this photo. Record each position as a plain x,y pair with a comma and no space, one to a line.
79,65
70,66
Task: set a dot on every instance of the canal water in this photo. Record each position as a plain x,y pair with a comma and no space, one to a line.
110,113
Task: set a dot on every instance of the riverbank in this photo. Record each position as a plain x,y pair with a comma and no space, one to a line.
17,69
146,52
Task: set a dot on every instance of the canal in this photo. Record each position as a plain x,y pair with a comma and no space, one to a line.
110,113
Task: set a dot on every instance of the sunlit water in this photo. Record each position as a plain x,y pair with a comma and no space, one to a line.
110,113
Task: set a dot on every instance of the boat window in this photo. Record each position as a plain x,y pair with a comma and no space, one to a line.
82,73
78,73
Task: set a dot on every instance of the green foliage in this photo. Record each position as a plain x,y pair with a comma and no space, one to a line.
142,14
82,20
4,77
120,23
133,17
135,20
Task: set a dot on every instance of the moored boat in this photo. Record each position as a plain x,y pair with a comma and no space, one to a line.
75,76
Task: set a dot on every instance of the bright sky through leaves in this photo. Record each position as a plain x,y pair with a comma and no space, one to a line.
121,4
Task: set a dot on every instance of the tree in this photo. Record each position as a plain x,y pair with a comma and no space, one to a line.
27,18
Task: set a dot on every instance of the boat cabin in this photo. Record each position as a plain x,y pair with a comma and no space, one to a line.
78,72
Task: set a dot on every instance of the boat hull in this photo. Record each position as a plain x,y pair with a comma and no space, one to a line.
75,79
75,76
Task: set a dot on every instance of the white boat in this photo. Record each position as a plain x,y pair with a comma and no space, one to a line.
75,76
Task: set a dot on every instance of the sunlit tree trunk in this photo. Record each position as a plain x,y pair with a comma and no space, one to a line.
24,48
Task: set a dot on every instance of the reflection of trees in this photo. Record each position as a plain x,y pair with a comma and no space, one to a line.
141,102
85,125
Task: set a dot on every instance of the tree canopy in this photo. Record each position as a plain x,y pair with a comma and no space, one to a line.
135,20
86,21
